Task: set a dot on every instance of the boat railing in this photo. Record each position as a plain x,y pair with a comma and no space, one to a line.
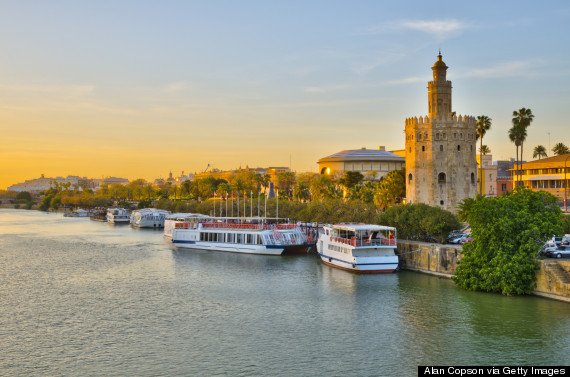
192,225
353,241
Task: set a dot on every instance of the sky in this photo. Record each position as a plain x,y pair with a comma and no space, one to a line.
137,89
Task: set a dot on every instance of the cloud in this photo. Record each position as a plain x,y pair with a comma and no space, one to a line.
507,69
324,89
439,28
175,87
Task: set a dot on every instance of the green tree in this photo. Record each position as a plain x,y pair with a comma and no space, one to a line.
286,182
24,195
539,151
391,189
350,179
484,150
482,125
508,231
517,134
419,221
320,186
523,117
560,149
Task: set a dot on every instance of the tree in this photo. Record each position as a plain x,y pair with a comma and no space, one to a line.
482,125
517,134
539,151
350,179
390,189
418,221
508,231
484,150
560,149
523,118
285,182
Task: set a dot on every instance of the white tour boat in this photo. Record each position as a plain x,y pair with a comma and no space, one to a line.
171,220
360,248
148,218
251,235
118,216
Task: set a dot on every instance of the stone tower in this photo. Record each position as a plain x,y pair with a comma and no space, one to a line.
441,163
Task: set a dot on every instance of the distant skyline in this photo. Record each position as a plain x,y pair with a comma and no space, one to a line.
137,89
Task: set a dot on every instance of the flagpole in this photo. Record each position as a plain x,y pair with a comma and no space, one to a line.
226,206
258,197
232,204
244,201
214,203
251,203
277,214
238,203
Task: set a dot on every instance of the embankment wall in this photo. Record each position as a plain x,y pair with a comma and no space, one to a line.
553,278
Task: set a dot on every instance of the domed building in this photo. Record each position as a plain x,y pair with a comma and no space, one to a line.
372,163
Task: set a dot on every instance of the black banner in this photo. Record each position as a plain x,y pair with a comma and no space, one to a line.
463,371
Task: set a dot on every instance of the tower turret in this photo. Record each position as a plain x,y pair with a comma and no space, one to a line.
439,91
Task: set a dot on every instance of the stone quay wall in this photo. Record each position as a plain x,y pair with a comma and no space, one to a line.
553,278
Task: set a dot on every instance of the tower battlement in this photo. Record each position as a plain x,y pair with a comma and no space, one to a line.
459,120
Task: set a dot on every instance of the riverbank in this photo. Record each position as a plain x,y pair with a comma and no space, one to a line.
553,278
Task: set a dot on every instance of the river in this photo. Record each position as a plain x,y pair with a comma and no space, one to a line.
80,297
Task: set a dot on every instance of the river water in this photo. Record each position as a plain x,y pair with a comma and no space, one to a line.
79,297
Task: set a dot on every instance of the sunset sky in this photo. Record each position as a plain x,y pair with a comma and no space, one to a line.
136,89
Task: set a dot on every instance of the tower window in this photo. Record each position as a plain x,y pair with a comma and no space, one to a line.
472,178
410,149
471,147
441,178
410,180
444,135
441,148
419,136
459,148
423,148
441,202
437,136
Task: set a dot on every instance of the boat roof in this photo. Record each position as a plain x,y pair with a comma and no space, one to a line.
182,215
144,210
361,227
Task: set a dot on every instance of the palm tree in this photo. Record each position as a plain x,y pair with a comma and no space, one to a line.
523,117
482,125
517,134
484,150
560,148
539,151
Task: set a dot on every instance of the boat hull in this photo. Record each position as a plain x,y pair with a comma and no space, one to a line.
231,247
363,265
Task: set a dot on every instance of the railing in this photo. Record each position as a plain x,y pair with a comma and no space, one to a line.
365,242
190,225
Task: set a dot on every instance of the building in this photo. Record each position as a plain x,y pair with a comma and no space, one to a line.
42,184
487,175
373,164
504,176
441,167
548,174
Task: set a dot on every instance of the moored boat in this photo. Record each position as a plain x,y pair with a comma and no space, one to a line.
148,218
171,220
250,235
118,216
362,248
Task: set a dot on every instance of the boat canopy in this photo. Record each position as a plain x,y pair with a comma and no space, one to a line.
362,227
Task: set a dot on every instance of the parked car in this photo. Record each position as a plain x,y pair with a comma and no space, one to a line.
456,239
559,252
557,240
565,240
466,239
459,240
